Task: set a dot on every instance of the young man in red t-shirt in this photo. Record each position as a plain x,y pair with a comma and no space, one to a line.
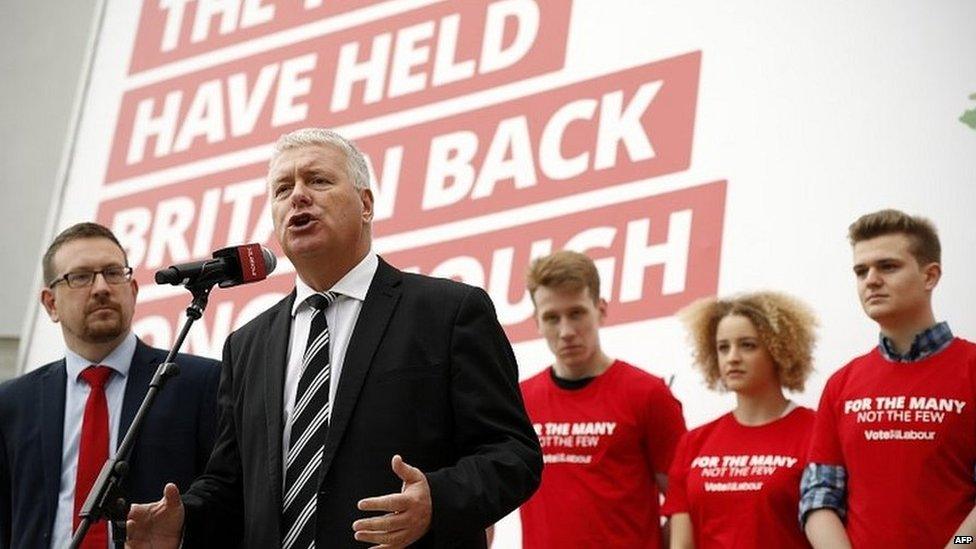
608,430
892,457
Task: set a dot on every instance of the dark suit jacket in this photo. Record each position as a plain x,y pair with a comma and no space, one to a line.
428,374
174,445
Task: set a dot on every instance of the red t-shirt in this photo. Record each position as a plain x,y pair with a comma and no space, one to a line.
602,445
906,433
741,485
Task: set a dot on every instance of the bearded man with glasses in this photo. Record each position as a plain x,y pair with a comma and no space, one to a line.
60,422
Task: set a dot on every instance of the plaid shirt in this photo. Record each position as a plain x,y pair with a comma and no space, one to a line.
925,344
825,486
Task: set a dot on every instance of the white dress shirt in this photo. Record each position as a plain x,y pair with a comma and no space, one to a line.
75,397
341,317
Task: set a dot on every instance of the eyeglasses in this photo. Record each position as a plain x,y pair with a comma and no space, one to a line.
81,279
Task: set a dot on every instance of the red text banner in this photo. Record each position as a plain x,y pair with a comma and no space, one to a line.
171,30
405,61
626,126
182,222
655,255
158,322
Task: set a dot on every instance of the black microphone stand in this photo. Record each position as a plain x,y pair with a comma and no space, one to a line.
107,499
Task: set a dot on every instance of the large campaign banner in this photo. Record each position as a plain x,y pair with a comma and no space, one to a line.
691,149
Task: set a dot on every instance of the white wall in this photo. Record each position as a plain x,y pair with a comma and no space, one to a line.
42,51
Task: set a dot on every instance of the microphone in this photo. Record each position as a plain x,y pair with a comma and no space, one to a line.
229,267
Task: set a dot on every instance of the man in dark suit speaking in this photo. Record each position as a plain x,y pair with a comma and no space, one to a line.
60,422
369,406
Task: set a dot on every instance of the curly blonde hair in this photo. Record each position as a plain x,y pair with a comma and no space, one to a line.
785,326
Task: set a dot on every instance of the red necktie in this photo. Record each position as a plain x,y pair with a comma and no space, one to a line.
93,451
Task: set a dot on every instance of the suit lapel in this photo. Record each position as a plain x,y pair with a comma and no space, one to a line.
273,367
141,370
381,300
51,403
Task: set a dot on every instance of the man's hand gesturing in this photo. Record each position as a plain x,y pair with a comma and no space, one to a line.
157,525
408,513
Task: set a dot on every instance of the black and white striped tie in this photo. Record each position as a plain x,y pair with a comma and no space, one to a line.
309,427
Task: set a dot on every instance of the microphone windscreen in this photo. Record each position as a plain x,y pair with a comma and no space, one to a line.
270,261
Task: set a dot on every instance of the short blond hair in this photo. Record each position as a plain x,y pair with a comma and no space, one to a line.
921,232
564,270
785,326
356,168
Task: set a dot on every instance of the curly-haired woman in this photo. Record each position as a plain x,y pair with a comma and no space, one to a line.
735,482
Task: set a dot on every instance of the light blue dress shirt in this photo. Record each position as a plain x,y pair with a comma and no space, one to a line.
75,397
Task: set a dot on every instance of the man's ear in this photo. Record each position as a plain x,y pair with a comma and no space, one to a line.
367,197
933,273
601,305
50,305
535,312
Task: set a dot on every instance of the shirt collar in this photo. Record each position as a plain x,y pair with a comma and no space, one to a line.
354,284
928,342
120,359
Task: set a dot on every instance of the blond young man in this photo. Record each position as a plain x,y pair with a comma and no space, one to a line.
892,458
608,429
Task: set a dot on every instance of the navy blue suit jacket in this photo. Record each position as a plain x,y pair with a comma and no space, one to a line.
174,445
